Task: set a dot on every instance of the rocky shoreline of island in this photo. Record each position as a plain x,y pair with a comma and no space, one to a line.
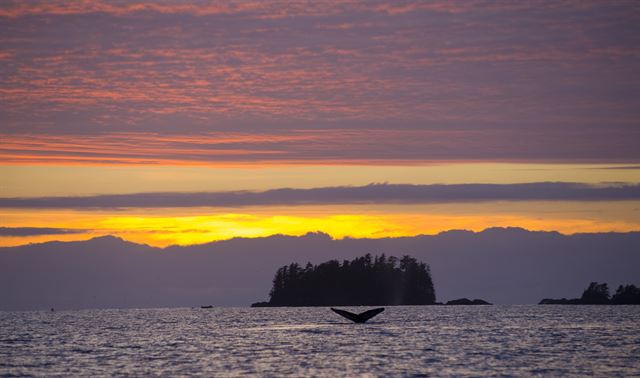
454,302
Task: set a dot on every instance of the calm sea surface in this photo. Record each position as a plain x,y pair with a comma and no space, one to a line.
438,341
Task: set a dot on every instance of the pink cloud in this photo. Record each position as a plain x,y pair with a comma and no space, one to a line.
488,70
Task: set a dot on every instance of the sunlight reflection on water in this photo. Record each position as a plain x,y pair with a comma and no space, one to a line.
403,340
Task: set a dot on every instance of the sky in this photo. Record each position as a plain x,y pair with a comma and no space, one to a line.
181,123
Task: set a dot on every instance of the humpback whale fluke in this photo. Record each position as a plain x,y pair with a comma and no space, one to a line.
358,318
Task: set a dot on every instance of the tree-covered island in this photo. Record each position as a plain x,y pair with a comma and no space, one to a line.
364,281
598,294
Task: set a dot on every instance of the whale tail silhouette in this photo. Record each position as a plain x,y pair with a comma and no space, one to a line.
358,318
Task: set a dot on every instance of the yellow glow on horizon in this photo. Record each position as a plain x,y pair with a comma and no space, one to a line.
202,229
163,227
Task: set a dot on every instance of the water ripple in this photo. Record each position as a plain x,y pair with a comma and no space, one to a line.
431,340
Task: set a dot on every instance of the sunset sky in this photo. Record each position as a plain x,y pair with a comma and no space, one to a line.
174,123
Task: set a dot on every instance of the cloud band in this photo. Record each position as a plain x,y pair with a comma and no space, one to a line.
369,194
35,231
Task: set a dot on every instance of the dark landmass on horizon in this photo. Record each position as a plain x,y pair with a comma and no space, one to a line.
467,302
598,294
501,265
363,281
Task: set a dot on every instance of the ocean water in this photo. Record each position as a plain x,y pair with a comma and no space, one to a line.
402,341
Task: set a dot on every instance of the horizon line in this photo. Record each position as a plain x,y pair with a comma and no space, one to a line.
315,233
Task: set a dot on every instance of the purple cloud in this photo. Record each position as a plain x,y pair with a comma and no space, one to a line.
34,231
370,194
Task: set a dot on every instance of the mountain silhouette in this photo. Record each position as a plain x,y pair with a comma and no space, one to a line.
500,265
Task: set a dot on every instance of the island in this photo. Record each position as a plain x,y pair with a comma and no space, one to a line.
363,281
467,302
598,294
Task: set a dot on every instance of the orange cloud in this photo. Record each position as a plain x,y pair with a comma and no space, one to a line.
324,147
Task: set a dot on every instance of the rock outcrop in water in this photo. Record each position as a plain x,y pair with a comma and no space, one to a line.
364,281
560,301
467,302
598,294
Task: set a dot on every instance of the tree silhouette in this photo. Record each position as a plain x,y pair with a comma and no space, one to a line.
628,294
365,280
595,294
598,293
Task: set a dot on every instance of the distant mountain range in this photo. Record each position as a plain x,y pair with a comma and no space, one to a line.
501,265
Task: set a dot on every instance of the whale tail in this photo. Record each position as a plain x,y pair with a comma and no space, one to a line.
358,318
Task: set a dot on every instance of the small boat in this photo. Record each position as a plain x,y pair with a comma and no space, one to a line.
206,306
358,318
